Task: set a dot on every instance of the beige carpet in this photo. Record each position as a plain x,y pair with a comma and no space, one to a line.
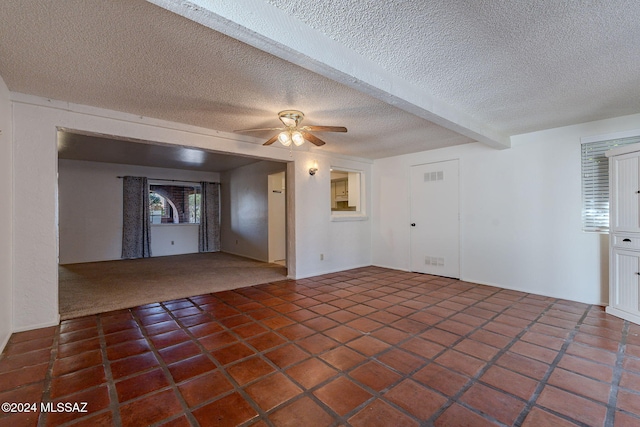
96,287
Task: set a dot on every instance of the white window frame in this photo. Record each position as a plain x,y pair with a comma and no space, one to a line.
595,177
360,215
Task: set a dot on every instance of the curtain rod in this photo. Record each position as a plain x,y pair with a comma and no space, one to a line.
172,180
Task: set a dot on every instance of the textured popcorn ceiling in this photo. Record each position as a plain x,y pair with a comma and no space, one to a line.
387,70
518,66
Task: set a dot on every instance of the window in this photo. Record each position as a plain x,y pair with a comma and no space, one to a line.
347,201
174,204
595,182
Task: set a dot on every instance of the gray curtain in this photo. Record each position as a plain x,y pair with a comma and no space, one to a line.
209,235
136,230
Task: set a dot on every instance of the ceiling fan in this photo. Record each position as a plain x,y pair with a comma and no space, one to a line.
293,132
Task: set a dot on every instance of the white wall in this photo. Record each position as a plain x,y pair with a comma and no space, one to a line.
520,213
35,278
245,209
6,225
90,211
174,239
344,244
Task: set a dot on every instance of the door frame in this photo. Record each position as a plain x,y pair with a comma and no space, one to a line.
410,199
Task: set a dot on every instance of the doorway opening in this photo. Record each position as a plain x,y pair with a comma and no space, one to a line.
90,222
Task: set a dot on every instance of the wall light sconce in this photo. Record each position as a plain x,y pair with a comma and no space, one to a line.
313,169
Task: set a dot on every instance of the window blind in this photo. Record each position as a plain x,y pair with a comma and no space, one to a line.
595,182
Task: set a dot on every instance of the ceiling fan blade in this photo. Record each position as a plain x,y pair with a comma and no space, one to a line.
257,130
312,138
325,128
271,140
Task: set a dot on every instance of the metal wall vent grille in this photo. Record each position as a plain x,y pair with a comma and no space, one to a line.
434,176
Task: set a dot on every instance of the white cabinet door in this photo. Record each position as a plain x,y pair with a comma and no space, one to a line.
624,296
625,194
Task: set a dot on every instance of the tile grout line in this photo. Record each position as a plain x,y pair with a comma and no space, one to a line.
403,376
307,392
543,381
340,373
490,363
114,404
219,366
617,376
408,376
46,391
374,358
163,366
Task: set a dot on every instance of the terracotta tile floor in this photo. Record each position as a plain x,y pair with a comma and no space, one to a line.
365,347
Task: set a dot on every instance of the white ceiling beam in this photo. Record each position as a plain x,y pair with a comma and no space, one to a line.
265,27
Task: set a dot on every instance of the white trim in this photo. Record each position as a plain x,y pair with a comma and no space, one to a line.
174,182
38,326
609,136
360,215
280,153
395,268
626,149
177,224
346,217
330,271
12,216
524,291
6,341
623,314
243,255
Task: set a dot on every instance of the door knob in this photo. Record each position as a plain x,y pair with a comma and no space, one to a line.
413,224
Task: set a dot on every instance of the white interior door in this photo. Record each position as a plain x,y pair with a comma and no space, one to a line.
277,217
435,219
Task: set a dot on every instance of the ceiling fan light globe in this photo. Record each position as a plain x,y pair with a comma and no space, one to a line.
284,138
297,138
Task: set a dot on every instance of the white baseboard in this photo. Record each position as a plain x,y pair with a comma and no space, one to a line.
38,326
511,288
4,342
631,317
391,267
329,271
243,256
528,291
